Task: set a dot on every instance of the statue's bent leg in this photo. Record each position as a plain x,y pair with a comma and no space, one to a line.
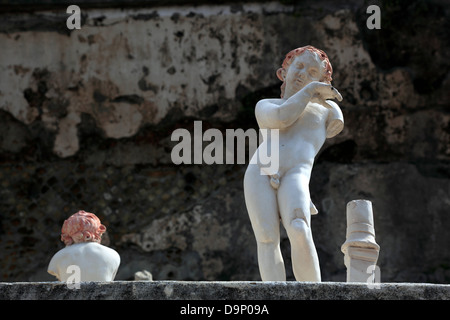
262,207
294,203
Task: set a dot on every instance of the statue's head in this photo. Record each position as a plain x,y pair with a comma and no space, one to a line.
308,64
82,227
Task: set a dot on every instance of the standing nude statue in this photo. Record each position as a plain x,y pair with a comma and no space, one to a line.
82,233
304,118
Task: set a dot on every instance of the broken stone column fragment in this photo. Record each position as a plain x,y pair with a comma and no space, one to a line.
360,248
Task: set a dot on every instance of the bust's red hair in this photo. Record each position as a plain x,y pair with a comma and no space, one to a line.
82,227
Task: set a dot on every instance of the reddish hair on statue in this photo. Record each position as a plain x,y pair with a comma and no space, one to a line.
291,55
82,227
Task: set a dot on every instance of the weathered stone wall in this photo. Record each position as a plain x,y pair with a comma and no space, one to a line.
86,119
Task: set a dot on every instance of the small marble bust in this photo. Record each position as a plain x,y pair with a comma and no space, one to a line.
82,233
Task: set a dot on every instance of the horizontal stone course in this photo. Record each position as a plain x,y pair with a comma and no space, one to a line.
222,290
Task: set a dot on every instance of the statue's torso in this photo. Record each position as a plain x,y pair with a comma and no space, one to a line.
300,142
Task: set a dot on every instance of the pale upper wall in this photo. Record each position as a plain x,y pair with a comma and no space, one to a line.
132,67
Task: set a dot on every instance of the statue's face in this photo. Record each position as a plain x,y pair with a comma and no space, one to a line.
305,68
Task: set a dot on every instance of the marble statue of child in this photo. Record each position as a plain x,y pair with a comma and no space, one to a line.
82,233
304,118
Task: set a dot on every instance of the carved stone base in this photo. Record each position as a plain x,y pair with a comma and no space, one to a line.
360,248
361,264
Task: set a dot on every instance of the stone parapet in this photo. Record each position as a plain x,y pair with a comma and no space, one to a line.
222,290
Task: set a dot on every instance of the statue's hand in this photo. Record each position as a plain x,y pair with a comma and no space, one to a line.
320,91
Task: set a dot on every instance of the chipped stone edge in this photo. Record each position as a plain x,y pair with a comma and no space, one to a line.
222,290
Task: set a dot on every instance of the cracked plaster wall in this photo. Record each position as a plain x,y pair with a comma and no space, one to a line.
132,68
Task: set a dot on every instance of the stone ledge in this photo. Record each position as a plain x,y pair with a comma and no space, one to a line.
221,290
